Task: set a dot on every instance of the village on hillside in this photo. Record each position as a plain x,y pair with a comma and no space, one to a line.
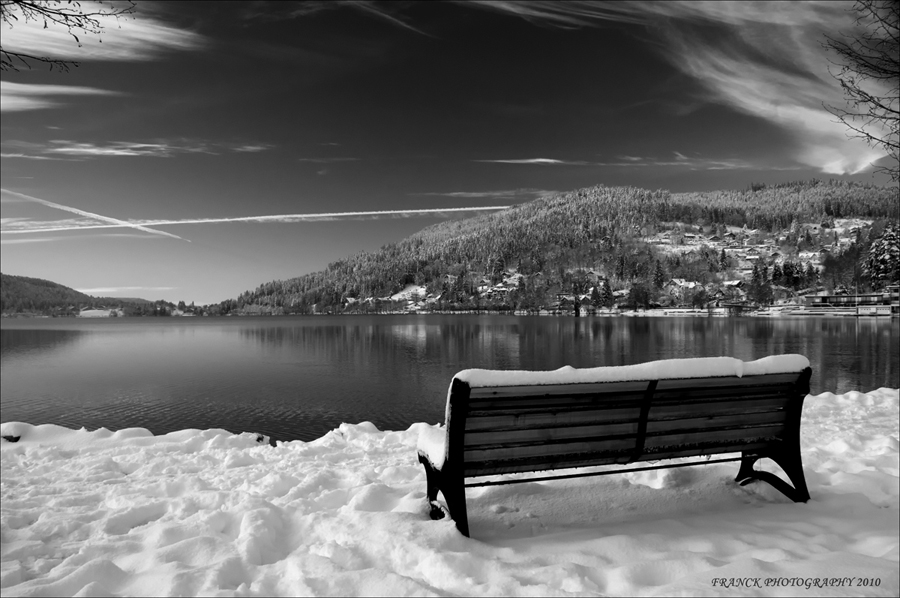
803,270
748,250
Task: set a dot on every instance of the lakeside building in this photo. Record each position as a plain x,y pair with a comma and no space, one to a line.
97,313
885,303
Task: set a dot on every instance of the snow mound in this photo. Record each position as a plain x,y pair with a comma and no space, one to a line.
410,292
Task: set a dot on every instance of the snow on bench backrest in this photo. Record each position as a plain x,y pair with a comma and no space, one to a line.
667,369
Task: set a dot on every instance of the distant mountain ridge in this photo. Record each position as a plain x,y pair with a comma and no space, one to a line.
598,229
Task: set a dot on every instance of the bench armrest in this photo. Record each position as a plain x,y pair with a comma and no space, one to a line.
432,445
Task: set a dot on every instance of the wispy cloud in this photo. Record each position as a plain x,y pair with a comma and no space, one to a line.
691,163
680,161
546,161
326,160
23,241
112,221
126,39
379,10
764,59
72,237
121,148
16,156
17,228
252,148
17,97
385,11
155,148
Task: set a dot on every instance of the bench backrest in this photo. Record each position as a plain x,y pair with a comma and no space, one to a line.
506,429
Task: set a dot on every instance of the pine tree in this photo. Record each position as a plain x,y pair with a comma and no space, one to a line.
882,264
777,274
606,295
812,276
620,267
659,276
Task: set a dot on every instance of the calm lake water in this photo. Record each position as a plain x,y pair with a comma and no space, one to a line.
299,377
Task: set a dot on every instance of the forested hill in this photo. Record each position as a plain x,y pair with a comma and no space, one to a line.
594,228
20,294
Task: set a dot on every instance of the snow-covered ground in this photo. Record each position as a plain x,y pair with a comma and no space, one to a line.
409,293
210,513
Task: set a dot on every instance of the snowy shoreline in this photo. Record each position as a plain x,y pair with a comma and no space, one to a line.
206,512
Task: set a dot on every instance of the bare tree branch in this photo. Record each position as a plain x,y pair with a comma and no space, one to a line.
55,13
869,74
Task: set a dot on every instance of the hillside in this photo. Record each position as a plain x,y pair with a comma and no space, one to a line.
567,243
24,295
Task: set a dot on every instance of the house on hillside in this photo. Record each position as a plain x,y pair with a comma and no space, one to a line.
96,313
676,287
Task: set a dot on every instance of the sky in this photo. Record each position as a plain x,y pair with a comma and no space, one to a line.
201,149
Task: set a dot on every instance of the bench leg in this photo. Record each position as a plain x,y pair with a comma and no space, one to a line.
432,479
790,463
455,493
454,490
746,471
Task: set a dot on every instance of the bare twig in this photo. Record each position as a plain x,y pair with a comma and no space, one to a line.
869,73
76,19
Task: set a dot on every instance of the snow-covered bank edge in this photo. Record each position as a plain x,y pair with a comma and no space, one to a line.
210,513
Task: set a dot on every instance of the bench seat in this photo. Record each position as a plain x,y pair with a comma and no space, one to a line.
500,422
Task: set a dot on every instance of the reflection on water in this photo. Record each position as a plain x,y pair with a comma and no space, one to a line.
299,377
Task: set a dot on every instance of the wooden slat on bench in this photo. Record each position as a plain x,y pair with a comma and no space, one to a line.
472,470
686,439
717,394
682,391
723,407
480,393
490,420
519,437
713,421
703,398
560,401
504,453
490,392
660,453
558,441
614,412
603,458
631,403
695,384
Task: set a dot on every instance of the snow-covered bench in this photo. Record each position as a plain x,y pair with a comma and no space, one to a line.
503,422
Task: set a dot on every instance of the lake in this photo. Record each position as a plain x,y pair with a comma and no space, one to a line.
299,377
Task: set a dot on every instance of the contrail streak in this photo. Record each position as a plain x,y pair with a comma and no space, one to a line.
275,218
115,222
